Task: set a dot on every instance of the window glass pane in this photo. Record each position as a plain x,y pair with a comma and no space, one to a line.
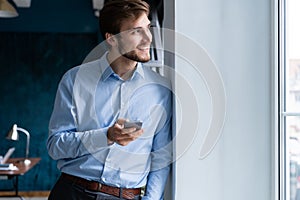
293,157
292,99
292,85
289,100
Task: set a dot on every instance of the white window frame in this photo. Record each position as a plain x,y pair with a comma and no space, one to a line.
280,171
276,180
279,104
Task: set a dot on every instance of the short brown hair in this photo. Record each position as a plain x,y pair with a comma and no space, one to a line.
114,12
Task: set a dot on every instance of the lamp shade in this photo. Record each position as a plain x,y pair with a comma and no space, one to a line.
13,133
7,10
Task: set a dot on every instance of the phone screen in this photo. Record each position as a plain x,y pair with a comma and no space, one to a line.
135,124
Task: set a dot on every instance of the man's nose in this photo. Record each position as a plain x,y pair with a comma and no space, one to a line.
147,35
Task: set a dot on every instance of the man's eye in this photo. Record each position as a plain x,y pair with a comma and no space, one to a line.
135,31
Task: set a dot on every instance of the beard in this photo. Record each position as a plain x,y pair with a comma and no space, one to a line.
133,54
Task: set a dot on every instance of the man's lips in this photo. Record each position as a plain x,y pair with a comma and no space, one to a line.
144,48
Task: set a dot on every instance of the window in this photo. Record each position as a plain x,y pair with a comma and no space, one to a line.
289,99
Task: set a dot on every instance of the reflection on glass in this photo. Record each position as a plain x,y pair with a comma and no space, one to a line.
293,156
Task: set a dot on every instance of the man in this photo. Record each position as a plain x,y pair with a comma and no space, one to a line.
99,157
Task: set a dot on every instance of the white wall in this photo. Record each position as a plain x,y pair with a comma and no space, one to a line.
236,34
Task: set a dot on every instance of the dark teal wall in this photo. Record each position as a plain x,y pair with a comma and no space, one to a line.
31,65
67,16
36,48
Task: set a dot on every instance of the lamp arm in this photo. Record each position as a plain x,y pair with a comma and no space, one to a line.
28,139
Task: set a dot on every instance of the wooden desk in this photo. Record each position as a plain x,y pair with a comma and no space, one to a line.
22,169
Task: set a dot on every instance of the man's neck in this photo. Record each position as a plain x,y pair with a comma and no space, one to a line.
121,65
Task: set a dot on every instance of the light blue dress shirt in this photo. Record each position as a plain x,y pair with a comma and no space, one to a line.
90,98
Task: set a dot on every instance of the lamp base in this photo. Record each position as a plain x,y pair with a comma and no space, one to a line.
27,162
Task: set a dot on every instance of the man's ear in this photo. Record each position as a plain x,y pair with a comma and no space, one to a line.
110,39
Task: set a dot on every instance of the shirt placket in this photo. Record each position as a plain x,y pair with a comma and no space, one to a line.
123,99
111,172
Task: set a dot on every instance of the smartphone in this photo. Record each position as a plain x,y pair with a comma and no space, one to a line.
135,124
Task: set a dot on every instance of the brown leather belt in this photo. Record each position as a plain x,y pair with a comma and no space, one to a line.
125,193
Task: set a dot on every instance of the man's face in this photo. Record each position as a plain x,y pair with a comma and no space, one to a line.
135,39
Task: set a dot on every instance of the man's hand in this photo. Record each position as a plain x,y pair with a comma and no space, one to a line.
122,136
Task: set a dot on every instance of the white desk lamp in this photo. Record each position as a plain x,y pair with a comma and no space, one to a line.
14,135
7,10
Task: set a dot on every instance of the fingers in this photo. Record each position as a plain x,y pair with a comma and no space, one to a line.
128,135
125,138
121,122
128,130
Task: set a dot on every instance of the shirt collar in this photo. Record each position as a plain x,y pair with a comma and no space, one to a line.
105,67
107,70
139,70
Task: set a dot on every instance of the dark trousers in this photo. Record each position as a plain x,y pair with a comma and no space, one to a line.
66,190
